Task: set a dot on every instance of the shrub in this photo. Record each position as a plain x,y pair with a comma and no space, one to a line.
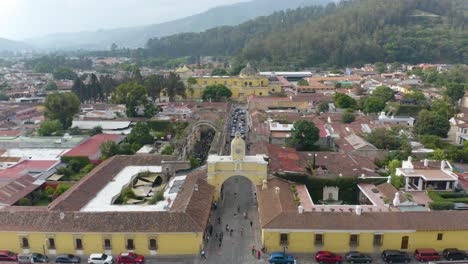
168,150
441,206
88,168
25,201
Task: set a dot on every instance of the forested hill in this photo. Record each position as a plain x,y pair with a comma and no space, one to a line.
351,32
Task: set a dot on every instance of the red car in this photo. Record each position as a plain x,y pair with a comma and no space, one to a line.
327,257
8,256
130,257
426,254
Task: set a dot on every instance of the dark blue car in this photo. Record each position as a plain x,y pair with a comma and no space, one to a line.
280,258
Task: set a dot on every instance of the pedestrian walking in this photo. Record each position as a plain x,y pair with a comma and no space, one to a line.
254,251
203,254
221,235
227,228
210,230
242,231
251,224
238,209
219,220
216,235
245,215
259,254
230,233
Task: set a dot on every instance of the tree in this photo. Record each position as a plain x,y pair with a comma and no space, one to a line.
94,88
455,91
384,93
62,107
133,95
64,73
108,149
96,130
174,86
397,181
348,116
168,150
431,141
380,67
140,134
50,128
344,101
431,123
438,154
190,83
113,47
136,75
302,82
374,104
216,92
154,84
79,89
51,86
443,108
323,107
384,139
304,135
219,72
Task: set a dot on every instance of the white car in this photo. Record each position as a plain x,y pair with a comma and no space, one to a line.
99,258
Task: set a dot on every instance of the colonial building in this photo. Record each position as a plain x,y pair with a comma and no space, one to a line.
249,82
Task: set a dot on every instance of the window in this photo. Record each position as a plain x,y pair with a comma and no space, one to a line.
377,240
283,239
24,242
51,243
107,244
318,239
245,84
130,245
261,83
260,93
354,240
152,244
440,236
78,244
272,90
250,83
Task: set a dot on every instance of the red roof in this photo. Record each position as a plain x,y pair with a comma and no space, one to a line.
285,159
90,148
10,133
27,167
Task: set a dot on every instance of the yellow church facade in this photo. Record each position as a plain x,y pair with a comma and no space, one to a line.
249,82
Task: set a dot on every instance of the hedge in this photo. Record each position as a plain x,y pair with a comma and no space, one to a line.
453,197
159,125
441,206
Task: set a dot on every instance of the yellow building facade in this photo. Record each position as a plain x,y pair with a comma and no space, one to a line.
249,82
299,228
221,168
110,243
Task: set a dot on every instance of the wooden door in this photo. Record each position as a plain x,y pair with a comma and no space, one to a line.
404,242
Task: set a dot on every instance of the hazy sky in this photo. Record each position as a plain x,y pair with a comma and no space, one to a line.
20,19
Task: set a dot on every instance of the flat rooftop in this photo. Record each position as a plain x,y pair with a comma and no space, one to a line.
102,202
257,159
429,175
36,153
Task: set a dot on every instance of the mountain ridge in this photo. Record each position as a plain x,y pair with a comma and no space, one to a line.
137,36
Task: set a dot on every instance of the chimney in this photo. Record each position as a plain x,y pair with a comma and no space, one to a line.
264,185
389,179
358,210
300,208
426,162
396,200
195,187
442,164
277,190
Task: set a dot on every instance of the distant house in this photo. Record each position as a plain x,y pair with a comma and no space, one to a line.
280,132
420,178
399,120
91,147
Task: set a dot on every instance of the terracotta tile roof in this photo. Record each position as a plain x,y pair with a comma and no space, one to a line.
90,148
10,159
81,193
389,191
421,221
27,167
285,159
271,204
127,222
332,164
10,133
15,190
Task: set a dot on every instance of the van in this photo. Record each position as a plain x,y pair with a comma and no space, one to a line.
395,256
32,258
426,254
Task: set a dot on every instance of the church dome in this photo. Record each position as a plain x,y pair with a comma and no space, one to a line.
248,71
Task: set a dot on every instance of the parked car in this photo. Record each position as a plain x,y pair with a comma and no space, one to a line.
357,257
328,257
280,258
100,259
67,258
426,254
130,257
454,254
395,256
8,256
32,258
